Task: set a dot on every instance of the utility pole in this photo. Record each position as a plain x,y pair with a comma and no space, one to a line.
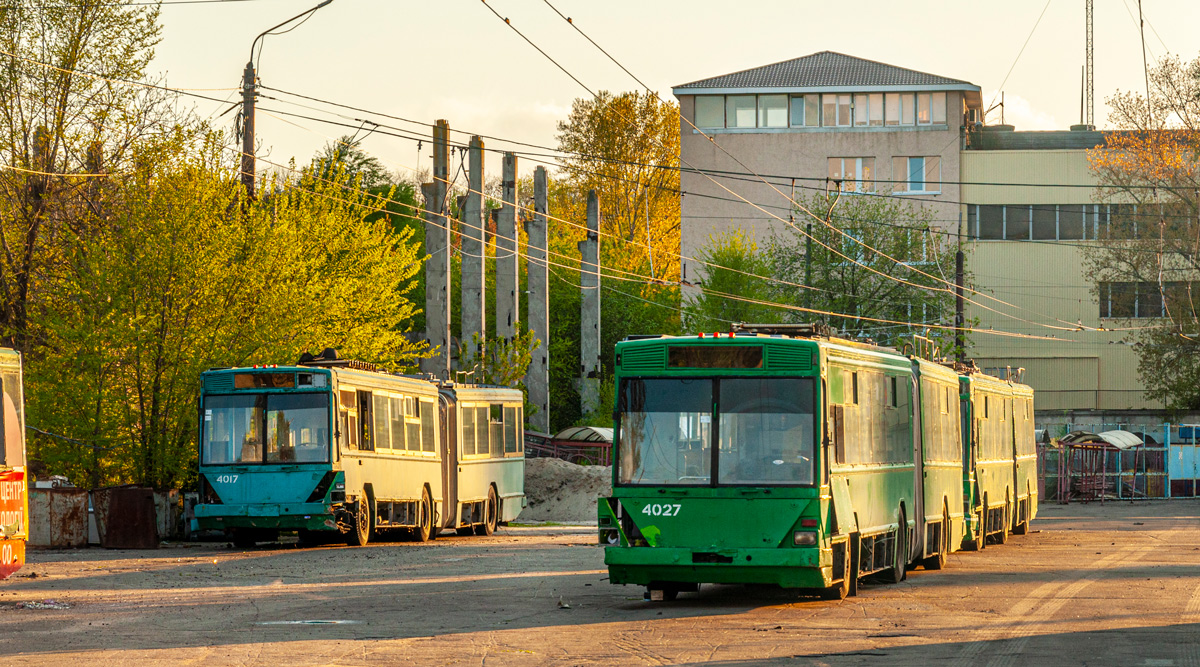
1091,73
537,378
589,314
249,95
959,319
474,239
508,301
808,251
437,265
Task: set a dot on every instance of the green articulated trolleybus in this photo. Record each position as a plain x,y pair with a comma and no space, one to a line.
334,446
777,454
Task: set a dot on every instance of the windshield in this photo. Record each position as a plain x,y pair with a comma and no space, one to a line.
266,428
765,431
12,423
665,431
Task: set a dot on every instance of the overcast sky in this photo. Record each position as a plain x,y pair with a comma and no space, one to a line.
454,59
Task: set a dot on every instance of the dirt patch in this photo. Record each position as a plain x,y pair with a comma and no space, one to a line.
560,491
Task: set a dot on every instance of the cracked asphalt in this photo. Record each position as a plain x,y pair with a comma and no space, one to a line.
1098,584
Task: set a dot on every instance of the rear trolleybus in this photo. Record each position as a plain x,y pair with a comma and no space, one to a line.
336,447
14,480
941,460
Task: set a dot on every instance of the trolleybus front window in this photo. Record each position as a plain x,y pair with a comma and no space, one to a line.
664,435
298,428
766,431
232,428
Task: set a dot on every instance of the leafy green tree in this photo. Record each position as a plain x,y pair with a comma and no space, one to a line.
732,289
858,291
181,275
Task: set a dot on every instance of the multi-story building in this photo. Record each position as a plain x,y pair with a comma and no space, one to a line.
1026,201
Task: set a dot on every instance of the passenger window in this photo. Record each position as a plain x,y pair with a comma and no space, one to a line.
854,388
366,441
428,436
379,405
895,398
482,441
496,429
396,422
412,423
512,429
468,431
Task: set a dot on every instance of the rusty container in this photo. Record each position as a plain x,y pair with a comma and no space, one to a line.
58,518
125,517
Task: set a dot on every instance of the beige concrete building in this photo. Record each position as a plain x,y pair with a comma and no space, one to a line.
871,126
1026,200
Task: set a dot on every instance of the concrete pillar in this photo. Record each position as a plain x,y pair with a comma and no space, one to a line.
589,315
474,314
437,265
508,299
537,378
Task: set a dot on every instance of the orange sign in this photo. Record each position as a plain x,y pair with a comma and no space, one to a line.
12,555
12,521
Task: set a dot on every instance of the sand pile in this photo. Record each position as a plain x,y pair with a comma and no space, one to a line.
564,492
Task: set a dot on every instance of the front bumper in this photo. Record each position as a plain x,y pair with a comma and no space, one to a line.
785,567
295,516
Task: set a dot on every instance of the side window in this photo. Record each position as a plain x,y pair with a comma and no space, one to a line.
428,427
512,429
483,441
396,422
467,423
366,440
496,429
895,398
379,405
854,387
412,423
349,411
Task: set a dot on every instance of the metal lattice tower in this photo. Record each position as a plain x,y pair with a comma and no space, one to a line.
1090,72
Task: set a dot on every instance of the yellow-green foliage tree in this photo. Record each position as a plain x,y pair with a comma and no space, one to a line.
1149,254
182,274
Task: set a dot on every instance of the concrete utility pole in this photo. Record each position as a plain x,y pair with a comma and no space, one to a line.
249,95
537,378
508,300
959,317
474,238
437,266
589,313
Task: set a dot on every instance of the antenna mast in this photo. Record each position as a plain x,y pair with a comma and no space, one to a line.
1090,73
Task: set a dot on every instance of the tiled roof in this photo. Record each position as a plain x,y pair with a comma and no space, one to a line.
826,69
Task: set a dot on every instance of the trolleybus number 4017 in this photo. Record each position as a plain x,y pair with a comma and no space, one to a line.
662,509
227,479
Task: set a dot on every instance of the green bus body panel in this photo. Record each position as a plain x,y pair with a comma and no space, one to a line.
758,521
943,467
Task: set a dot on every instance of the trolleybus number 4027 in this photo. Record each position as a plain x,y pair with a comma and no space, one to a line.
662,509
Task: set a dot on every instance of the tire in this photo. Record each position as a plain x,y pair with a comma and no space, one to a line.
938,560
1002,536
841,589
360,534
244,538
897,572
424,531
489,514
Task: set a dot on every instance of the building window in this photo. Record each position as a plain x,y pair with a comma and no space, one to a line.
862,109
855,174
923,112
740,111
1037,222
710,111
844,113
907,108
828,110
1145,299
917,174
892,102
772,111
876,115
939,108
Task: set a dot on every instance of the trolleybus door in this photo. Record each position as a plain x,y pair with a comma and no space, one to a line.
449,431
917,537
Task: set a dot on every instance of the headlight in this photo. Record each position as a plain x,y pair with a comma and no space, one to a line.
610,536
804,538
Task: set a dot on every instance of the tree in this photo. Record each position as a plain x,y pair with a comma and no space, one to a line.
732,264
182,274
1149,255
853,288
345,157
54,119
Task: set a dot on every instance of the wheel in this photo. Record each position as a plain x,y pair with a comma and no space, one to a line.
1002,536
938,560
896,573
841,589
424,531
489,514
244,538
361,533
